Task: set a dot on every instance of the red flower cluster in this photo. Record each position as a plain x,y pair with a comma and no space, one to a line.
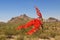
35,22
38,12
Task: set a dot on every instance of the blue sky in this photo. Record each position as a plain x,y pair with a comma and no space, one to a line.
13,8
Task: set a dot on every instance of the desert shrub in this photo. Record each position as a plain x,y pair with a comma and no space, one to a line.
2,37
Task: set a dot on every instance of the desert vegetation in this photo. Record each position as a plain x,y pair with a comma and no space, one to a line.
8,30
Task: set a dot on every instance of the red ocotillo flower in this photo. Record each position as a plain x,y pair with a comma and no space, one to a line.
38,12
35,22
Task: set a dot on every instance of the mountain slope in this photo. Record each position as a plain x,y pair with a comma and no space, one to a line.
20,18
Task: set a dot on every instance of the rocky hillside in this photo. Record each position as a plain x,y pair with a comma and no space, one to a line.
51,19
24,17
20,18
